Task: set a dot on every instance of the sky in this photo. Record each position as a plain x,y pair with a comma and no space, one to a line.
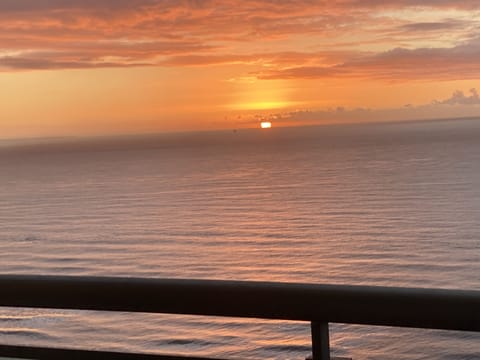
95,67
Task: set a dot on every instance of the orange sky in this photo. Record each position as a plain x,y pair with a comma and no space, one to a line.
83,67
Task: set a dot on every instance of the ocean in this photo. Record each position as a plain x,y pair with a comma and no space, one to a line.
395,204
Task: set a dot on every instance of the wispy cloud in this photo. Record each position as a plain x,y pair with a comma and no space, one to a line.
399,64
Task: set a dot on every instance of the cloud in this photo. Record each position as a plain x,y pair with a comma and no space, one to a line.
292,39
399,64
459,98
32,63
439,4
270,6
14,6
108,53
431,26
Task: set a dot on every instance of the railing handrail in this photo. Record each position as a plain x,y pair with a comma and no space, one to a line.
367,305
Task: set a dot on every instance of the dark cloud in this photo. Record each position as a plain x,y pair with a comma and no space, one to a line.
460,4
25,63
432,26
58,5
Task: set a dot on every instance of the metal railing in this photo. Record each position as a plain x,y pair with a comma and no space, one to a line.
317,304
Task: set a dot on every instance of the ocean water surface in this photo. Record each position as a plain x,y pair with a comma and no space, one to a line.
379,204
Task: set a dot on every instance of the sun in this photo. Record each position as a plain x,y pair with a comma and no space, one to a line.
265,124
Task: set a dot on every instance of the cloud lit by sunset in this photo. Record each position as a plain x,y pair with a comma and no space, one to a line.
113,66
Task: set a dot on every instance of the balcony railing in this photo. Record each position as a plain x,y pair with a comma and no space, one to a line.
317,304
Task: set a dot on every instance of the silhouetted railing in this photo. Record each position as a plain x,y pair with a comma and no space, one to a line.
318,304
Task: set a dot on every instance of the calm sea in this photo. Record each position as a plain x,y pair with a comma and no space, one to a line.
381,204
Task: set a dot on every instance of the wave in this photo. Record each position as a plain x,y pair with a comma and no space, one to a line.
27,333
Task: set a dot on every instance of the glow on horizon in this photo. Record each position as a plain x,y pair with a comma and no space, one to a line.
173,66
263,105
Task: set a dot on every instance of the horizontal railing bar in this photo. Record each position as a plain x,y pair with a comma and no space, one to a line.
40,353
388,306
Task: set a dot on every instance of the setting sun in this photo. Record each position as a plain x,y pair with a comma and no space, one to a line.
265,124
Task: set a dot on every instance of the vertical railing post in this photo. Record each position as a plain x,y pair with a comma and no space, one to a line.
320,341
